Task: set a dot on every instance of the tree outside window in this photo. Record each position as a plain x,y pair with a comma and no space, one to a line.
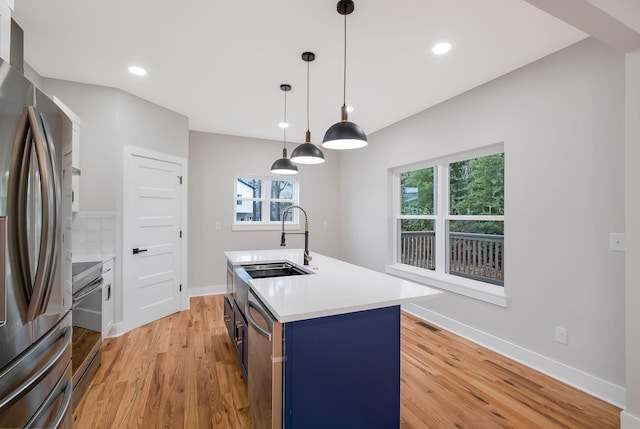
261,201
450,217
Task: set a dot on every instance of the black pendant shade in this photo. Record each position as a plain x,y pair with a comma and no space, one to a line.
345,134
284,165
307,153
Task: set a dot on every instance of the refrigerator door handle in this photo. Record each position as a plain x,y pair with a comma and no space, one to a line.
30,140
44,369
17,237
54,186
37,305
64,387
3,271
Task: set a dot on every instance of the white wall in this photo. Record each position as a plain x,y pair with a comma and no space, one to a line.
149,126
214,162
100,146
562,123
630,417
112,118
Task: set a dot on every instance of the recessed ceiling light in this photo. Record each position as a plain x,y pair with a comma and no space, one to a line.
138,71
349,109
441,48
283,125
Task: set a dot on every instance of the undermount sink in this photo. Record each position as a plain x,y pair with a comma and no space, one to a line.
280,269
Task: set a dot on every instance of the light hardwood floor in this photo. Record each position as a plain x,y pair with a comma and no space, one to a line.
180,372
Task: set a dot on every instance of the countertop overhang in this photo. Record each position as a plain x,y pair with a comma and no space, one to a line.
335,287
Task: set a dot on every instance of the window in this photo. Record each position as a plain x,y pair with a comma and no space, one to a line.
260,202
449,223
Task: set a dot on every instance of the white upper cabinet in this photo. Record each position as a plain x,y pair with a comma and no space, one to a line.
74,150
6,8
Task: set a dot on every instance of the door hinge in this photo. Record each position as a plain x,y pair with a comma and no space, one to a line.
180,177
180,233
180,288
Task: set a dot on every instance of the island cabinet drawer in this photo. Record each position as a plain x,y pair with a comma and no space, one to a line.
236,324
343,371
228,316
240,339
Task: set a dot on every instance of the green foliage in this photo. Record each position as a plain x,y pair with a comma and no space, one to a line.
417,192
476,187
416,225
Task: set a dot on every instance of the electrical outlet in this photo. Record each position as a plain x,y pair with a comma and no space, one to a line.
561,335
616,242
217,225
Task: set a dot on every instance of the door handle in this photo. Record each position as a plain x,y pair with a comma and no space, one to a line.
137,250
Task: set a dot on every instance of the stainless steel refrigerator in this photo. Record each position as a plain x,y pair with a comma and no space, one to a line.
35,287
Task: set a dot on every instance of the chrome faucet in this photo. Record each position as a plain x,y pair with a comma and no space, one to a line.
283,240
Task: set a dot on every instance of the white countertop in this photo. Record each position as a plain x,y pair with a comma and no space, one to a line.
336,287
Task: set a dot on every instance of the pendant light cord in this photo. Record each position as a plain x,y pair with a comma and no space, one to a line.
284,129
308,95
344,70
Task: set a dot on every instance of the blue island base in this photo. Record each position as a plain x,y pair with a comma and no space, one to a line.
343,371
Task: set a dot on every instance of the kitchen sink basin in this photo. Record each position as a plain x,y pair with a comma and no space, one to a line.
280,269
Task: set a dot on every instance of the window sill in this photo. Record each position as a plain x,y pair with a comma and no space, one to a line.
470,288
275,226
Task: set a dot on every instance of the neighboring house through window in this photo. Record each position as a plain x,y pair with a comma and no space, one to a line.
261,201
448,223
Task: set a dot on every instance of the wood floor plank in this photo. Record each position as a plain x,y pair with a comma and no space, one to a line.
181,372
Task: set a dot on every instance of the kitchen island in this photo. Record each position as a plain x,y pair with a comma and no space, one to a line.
335,360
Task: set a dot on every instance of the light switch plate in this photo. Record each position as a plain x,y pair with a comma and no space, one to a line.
616,242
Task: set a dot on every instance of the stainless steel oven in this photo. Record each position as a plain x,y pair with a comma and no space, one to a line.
87,325
265,365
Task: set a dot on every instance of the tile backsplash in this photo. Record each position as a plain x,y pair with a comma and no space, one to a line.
94,233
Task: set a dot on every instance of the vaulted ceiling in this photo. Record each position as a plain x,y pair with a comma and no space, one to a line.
220,63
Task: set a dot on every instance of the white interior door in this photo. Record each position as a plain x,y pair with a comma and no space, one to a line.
152,238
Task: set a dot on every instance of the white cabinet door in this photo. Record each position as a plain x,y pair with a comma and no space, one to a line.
75,164
75,152
107,297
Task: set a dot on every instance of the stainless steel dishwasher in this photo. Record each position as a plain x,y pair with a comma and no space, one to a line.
265,365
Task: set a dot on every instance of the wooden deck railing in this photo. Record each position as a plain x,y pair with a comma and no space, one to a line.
475,256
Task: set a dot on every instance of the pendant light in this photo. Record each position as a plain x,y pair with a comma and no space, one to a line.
307,153
345,134
284,165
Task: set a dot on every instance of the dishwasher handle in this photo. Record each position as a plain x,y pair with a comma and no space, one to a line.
252,322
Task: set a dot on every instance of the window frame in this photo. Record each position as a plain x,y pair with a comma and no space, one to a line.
439,277
266,200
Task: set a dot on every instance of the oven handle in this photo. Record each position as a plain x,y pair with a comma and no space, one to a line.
247,308
88,290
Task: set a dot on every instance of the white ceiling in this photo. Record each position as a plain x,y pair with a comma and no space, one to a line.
220,63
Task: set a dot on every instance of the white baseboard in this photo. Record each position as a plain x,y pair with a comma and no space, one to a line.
117,329
629,421
588,383
207,290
